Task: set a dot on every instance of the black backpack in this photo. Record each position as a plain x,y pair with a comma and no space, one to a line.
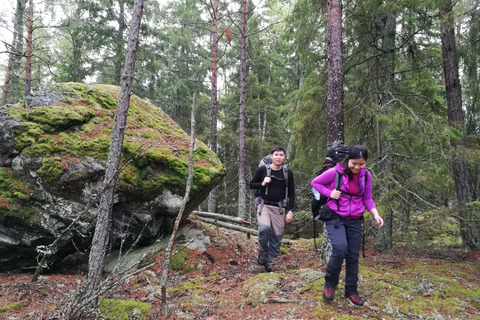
335,154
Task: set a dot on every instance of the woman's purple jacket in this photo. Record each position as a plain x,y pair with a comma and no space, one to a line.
350,207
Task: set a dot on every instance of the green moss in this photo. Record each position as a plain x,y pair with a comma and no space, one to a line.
52,169
12,306
60,117
177,262
283,250
125,309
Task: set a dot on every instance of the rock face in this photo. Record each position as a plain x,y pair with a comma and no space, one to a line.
52,164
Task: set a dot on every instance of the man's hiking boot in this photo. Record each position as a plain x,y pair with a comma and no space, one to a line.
270,268
355,299
328,293
262,262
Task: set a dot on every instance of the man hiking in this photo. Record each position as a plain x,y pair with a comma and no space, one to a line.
274,203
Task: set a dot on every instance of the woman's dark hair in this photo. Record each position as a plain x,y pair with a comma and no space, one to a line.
277,149
355,152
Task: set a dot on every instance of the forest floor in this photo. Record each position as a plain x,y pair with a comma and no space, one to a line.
226,283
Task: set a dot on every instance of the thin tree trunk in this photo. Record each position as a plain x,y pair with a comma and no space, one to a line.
168,250
242,184
17,58
462,174
103,223
8,73
119,42
386,24
334,91
28,62
212,198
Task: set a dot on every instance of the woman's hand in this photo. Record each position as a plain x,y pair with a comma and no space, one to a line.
377,218
335,195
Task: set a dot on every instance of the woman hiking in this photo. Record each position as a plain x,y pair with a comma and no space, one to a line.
346,207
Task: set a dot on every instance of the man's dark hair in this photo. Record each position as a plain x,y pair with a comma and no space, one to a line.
277,149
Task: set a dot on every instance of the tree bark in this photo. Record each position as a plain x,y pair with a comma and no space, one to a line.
335,133
168,250
242,184
230,226
119,52
386,24
212,198
28,55
103,223
18,52
462,173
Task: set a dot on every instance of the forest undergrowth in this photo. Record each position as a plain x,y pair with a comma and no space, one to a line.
224,282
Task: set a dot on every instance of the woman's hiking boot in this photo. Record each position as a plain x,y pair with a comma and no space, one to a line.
355,299
328,293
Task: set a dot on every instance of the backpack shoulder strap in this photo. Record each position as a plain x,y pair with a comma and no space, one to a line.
338,180
268,167
285,175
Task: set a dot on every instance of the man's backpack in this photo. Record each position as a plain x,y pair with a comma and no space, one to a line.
335,154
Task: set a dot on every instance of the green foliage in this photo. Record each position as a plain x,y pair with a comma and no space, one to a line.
125,309
177,261
12,306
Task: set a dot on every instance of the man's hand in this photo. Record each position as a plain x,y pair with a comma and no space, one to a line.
266,181
289,217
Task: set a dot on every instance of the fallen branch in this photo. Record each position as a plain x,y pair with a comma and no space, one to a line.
229,226
219,216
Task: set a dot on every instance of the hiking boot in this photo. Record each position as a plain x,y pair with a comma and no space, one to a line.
328,293
270,268
262,262
355,299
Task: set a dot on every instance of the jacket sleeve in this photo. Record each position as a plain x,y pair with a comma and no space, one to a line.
321,182
367,197
256,182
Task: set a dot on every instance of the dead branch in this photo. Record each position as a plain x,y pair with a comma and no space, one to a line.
229,226
218,216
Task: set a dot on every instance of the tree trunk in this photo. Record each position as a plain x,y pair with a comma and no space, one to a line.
334,91
212,198
168,250
242,184
28,61
119,52
8,73
335,73
462,174
386,24
103,223
17,58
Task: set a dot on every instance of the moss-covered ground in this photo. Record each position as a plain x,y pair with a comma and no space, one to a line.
226,285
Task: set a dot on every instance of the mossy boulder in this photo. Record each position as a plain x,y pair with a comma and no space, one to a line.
53,154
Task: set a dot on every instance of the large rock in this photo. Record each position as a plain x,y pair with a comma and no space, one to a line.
52,165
